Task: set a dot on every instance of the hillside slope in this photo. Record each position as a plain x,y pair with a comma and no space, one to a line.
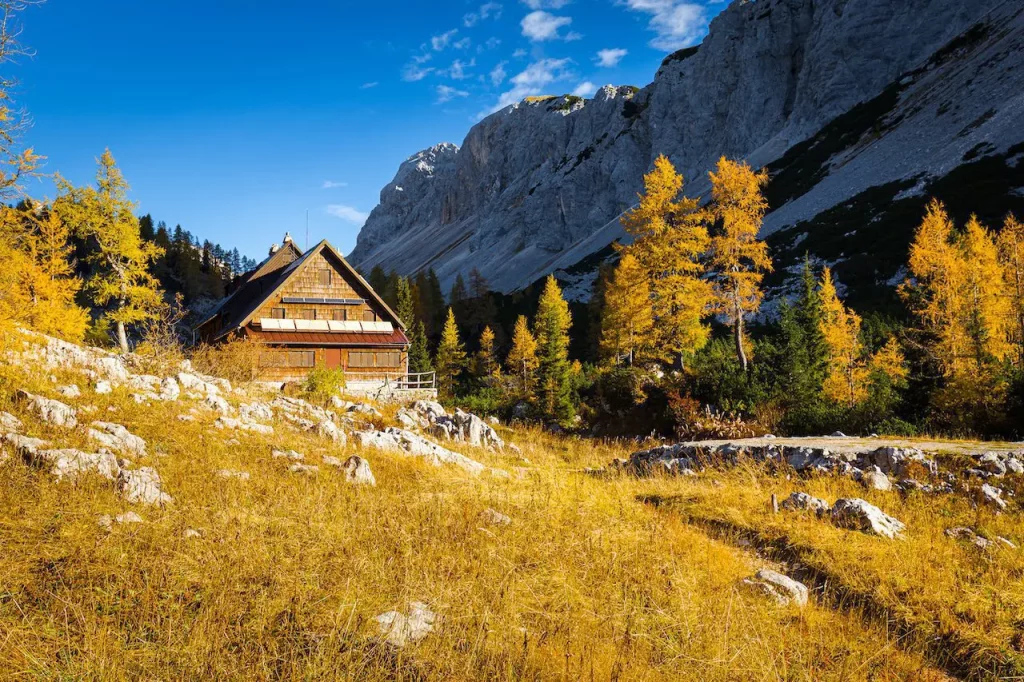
538,186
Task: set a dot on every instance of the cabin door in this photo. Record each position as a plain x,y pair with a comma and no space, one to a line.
333,358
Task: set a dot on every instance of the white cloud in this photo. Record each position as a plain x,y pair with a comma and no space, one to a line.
585,89
367,86
677,23
331,184
486,11
446,93
533,81
458,69
519,54
498,74
440,42
413,72
611,57
462,44
540,25
348,214
546,4
492,43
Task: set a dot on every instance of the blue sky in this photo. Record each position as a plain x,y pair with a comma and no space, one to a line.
234,118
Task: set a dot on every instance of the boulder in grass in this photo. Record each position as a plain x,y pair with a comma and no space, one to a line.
328,429
70,391
305,469
358,472
495,518
231,474
875,480
400,629
783,589
805,502
9,423
142,486
49,410
70,464
288,454
857,514
992,496
117,437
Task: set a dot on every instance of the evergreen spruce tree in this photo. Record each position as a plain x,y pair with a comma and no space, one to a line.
404,307
419,353
551,328
450,359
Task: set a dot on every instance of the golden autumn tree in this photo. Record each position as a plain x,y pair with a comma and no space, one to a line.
669,239
485,362
935,294
628,319
738,258
988,308
1011,256
450,359
522,359
105,218
847,373
38,285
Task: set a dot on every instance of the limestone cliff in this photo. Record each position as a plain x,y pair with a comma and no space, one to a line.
834,96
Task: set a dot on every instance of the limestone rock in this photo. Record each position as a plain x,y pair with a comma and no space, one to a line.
400,629
142,486
288,454
357,471
804,502
307,469
495,518
328,429
875,480
70,391
783,589
992,496
9,423
102,387
70,463
230,474
117,437
49,410
861,515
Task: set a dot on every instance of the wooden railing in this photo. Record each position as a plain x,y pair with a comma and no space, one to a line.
424,380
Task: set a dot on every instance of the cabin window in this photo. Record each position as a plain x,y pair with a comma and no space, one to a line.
278,313
301,358
360,359
391,359
273,359
309,314
324,277
340,315
369,316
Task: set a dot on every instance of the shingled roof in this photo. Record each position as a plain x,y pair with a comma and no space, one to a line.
273,274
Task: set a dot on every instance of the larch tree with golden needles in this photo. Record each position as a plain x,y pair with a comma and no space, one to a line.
935,293
846,378
989,310
1011,256
627,318
522,359
738,258
669,239
450,359
485,362
104,217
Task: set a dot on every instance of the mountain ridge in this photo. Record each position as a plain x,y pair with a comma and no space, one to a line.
538,186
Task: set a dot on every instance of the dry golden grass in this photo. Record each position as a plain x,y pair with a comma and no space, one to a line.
586,583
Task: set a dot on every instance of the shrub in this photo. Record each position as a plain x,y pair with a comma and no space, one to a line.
161,350
237,360
694,421
322,384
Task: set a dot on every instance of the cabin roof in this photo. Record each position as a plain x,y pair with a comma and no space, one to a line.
274,274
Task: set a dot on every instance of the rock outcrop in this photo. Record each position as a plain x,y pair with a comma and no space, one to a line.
912,90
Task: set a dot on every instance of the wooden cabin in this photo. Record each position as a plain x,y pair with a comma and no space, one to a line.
312,309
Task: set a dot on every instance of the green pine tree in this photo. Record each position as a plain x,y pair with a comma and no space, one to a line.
419,353
551,328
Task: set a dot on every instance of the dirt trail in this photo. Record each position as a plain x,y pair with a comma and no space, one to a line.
854,445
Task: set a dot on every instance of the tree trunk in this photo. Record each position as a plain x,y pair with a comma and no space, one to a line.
740,353
122,337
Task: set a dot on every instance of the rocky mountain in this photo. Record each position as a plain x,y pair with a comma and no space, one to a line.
860,109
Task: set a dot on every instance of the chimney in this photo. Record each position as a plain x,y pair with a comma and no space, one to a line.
287,237
274,248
